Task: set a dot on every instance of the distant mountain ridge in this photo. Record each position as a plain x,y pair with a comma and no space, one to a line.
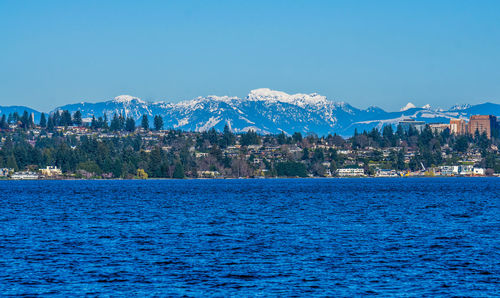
6,110
268,111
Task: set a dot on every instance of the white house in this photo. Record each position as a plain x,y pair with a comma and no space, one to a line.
386,173
466,169
479,171
350,172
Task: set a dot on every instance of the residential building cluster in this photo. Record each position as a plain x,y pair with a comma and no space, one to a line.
412,149
477,124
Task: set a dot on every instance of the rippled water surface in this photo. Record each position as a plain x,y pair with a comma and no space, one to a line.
303,237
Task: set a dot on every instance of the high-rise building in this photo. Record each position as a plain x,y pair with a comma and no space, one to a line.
439,127
407,123
482,123
458,126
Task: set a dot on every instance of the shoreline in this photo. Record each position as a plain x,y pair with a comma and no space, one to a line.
240,178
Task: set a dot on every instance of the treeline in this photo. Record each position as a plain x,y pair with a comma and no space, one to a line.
64,119
177,154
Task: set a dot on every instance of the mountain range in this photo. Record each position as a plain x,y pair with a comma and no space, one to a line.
267,111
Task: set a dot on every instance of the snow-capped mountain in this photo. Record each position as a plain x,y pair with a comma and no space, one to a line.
269,111
126,105
407,107
460,107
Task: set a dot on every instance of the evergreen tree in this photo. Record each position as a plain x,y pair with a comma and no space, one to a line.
115,123
145,122
121,119
212,135
178,171
104,121
11,162
66,119
228,138
400,163
461,144
130,124
291,169
25,120
43,121
31,121
77,118
250,138
50,123
158,122
282,139
3,122
305,154
16,118
297,137
93,123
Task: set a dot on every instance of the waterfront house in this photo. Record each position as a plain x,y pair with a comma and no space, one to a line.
351,172
208,174
448,170
478,172
466,170
51,171
386,173
24,175
4,172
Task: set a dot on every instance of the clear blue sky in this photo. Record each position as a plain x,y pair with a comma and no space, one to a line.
382,53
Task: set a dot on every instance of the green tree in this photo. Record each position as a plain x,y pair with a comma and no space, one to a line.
282,138
461,144
291,169
145,122
50,123
228,137
297,137
25,120
3,122
103,121
178,171
130,124
11,162
121,120
400,163
90,166
31,121
158,122
43,121
250,138
66,119
115,123
93,123
77,118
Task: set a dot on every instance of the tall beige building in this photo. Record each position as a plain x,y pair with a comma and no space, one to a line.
482,123
458,126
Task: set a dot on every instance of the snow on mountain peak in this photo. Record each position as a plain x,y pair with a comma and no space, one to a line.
407,107
266,94
427,107
127,99
460,107
226,99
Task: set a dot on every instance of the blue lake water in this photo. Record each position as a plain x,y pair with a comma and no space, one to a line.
283,237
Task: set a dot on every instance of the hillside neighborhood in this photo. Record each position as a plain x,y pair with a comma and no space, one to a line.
63,145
